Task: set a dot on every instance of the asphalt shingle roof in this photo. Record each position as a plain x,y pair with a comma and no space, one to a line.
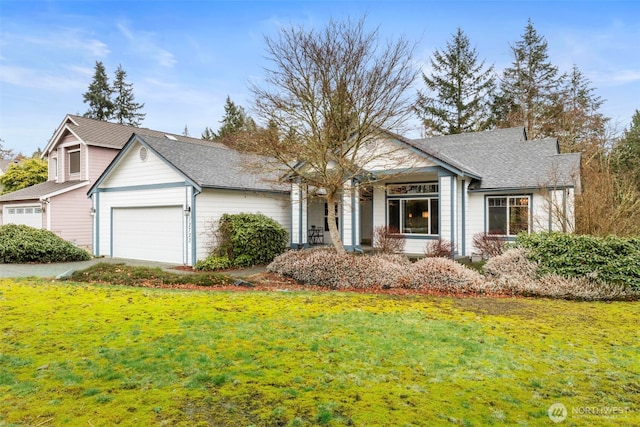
211,166
504,159
34,192
114,135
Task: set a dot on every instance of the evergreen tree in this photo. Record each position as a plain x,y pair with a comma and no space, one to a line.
99,95
208,134
235,120
125,109
529,88
577,120
626,152
457,90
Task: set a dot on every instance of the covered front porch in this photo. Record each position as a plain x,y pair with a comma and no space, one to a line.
422,206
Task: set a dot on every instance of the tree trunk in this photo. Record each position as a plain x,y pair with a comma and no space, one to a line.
333,228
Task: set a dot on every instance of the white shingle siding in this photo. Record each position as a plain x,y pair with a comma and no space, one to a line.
132,170
475,219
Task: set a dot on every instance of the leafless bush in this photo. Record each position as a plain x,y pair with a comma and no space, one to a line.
388,240
489,246
439,249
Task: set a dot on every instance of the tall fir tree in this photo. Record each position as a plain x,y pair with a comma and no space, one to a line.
125,109
235,120
98,95
457,90
529,87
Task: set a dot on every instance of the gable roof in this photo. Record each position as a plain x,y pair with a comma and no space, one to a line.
504,159
42,191
106,134
206,166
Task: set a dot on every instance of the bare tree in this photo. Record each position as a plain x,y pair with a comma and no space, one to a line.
328,95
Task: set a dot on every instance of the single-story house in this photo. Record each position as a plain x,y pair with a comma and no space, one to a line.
160,199
77,154
451,188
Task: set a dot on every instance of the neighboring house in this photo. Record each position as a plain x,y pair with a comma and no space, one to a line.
452,188
77,154
160,200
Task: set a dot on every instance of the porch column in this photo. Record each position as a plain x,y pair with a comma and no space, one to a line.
350,231
448,211
299,215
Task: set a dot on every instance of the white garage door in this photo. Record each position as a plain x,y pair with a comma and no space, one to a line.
27,215
150,233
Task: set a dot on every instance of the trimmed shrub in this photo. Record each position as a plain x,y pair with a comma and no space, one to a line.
441,274
24,244
388,240
613,260
514,273
246,239
514,262
324,267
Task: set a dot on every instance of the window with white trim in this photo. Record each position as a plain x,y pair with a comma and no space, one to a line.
54,166
508,215
413,208
74,162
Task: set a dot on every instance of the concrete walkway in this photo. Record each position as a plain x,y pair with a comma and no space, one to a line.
65,268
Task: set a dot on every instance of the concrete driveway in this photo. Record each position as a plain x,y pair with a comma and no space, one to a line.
64,268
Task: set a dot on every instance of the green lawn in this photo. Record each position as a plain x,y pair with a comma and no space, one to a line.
77,354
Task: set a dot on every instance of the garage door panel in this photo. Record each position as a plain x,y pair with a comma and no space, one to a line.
26,215
150,233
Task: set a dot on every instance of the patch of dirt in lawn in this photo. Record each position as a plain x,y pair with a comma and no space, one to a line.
266,281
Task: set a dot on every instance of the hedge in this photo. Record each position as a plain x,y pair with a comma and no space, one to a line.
24,244
611,259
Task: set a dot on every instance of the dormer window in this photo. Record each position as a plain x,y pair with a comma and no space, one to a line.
74,162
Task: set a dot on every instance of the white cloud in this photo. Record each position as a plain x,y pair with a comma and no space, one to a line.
38,79
69,40
615,77
142,43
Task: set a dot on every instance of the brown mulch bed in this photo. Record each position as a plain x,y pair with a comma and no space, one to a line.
272,282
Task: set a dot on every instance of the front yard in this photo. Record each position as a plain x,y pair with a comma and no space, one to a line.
78,354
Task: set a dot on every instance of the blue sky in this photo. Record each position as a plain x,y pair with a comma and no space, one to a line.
185,57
